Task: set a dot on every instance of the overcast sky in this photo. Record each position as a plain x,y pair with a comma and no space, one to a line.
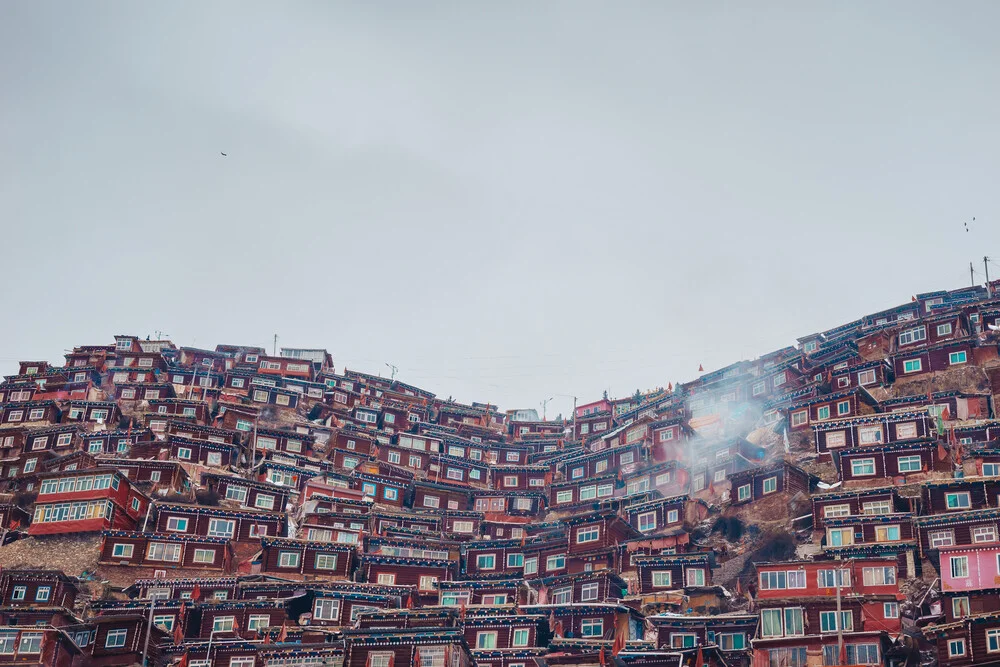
510,201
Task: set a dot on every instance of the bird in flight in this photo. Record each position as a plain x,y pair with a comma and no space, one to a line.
223,154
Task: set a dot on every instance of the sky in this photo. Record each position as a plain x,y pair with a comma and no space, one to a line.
510,202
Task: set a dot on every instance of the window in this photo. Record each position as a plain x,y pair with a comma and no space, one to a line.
19,592
204,555
427,583
959,566
486,561
122,550
833,578
956,648
779,379
770,485
462,526
991,469
912,335
890,610
531,565
387,579
823,412
237,493
862,467
564,497
562,595
177,524
993,640
31,642
960,607
381,659
866,378
515,560
592,627
223,623
828,621
839,537
520,638
912,366
682,639
833,511
184,453
486,640
879,576
794,624
984,534
326,609
170,553
886,533
555,562
326,561
796,578
432,501
588,534
909,463
43,593
221,527
941,538
773,580
957,501
115,638
661,579
843,408
647,522
955,358
288,559
800,418
696,577
770,623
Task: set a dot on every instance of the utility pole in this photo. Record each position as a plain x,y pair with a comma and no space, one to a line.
149,631
972,274
987,267
574,418
545,405
840,626
394,370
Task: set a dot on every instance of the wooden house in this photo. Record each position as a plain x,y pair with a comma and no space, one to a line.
305,560
42,588
973,640
871,430
93,412
667,572
247,493
237,525
778,479
899,460
424,573
34,413
866,374
730,632
841,503
839,405
204,452
164,552
121,640
502,559
86,500
933,358
385,648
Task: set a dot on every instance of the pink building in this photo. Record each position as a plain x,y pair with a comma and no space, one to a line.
967,568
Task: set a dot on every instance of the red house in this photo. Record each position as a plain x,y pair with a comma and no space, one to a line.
86,500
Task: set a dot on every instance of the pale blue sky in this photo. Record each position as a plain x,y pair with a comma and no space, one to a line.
509,201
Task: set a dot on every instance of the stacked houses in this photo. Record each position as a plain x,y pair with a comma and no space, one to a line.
836,502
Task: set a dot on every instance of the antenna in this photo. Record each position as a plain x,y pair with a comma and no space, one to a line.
394,369
274,350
